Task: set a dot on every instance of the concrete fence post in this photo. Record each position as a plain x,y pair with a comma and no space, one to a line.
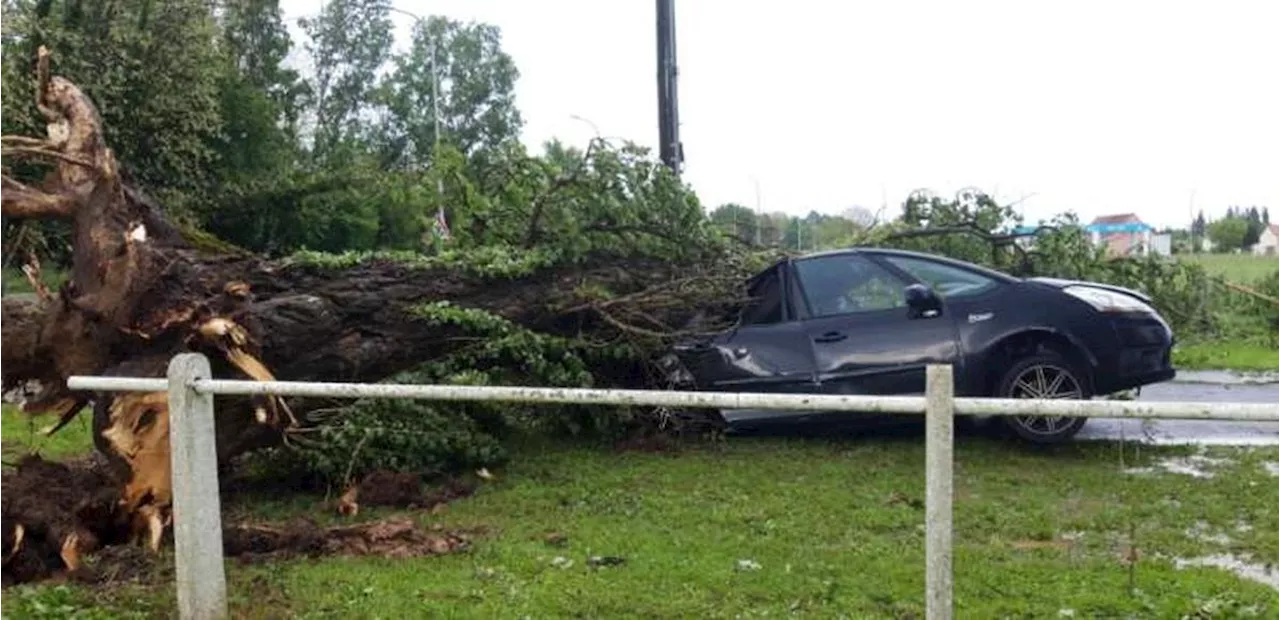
197,512
939,443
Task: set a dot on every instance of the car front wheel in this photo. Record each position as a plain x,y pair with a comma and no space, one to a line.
1044,376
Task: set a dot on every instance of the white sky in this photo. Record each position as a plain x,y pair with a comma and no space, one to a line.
1092,106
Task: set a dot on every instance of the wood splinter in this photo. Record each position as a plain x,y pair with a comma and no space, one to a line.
32,271
19,534
70,552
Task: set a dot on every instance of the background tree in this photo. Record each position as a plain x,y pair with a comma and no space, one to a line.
1254,225
1199,230
1228,233
476,84
736,220
349,42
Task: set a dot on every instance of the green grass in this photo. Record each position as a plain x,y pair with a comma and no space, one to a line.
835,527
1242,268
22,434
13,282
1226,356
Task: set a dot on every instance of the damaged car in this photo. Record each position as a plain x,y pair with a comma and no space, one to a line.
868,321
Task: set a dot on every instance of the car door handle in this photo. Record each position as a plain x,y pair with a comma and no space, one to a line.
831,337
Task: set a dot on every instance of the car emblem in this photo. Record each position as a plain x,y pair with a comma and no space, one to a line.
978,318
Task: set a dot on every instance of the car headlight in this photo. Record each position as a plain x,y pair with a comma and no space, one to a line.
1108,301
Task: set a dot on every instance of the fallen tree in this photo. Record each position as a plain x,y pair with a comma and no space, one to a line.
141,289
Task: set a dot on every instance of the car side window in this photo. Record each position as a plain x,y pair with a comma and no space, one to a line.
765,304
947,281
844,284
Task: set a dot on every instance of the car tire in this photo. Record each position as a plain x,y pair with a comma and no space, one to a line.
1045,374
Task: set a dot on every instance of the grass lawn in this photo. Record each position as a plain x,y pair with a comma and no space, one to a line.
1226,356
21,434
772,526
1243,268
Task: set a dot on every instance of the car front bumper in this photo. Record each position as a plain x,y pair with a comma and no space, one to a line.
1142,354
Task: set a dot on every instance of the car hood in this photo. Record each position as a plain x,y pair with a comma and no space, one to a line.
1060,283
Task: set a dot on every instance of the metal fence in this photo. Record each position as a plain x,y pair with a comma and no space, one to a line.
197,517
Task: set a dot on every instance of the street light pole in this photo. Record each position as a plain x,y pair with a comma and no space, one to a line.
439,222
435,150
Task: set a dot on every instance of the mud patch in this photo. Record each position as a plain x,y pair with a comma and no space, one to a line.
391,538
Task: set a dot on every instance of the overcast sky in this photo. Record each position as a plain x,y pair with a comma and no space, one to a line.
1092,106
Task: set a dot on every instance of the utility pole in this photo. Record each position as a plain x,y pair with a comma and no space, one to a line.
1191,211
670,148
759,213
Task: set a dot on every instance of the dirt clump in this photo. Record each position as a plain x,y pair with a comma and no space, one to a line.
397,537
63,521
120,564
55,513
402,490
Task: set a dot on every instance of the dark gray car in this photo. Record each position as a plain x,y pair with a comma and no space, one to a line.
868,321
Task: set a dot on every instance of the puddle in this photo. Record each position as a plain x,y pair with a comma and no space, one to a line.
1253,572
1272,468
1203,532
1196,466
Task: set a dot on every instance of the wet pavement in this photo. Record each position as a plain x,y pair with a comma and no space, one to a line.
1199,432
1188,388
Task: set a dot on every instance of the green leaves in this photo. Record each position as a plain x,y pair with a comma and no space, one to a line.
461,70
350,41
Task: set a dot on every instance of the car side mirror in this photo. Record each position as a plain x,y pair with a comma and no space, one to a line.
922,302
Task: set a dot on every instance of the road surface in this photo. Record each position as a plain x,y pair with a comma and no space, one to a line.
1195,432
1201,432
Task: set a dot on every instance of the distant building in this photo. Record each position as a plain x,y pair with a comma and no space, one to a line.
1162,244
1122,234
1266,245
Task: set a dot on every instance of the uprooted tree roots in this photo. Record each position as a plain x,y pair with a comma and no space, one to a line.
140,292
73,511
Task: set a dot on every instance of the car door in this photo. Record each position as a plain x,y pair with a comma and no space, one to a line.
864,340
768,351
974,300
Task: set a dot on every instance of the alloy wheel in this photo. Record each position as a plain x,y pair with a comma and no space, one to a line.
1045,381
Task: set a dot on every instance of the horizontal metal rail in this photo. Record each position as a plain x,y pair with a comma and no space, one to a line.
201,581
905,405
